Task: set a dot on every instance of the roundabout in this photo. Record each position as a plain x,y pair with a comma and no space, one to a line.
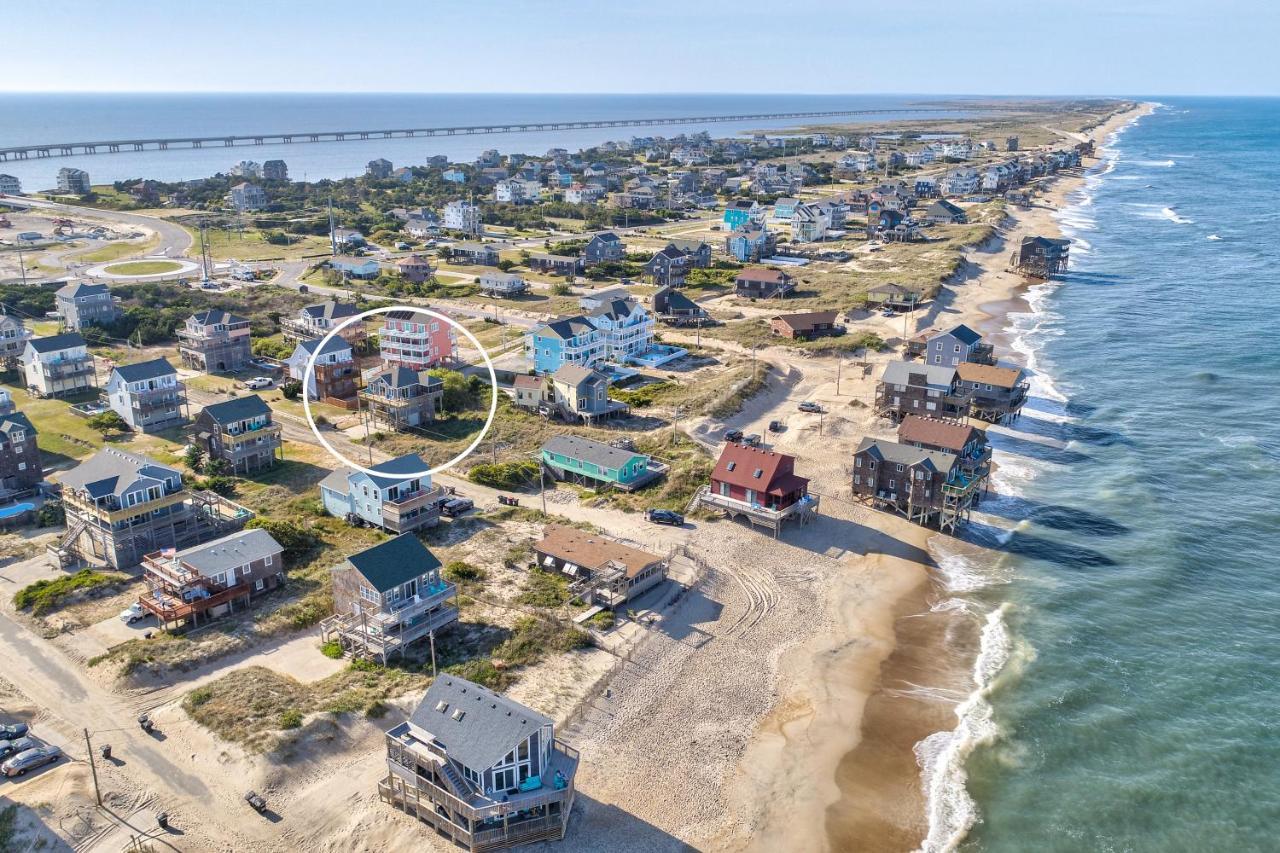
144,268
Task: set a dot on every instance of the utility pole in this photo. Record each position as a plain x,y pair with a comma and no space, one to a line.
542,486
839,366
753,362
22,266
93,767
433,652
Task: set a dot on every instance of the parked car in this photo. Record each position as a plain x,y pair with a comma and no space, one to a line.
733,435
11,747
752,440
776,426
30,759
456,507
13,730
257,383
810,406
664,516
133,613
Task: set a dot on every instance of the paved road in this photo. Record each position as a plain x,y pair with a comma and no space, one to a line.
175,241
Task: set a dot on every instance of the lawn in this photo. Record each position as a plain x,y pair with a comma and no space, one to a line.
119,249
143,267
250,244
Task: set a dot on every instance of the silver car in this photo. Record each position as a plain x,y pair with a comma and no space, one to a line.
30,759
12,747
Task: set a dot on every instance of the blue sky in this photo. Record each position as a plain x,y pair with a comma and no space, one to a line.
901,46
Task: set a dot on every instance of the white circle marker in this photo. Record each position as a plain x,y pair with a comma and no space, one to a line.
359,318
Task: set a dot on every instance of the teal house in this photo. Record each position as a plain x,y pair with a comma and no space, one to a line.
590,463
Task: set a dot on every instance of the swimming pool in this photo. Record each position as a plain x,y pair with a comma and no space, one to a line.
15,510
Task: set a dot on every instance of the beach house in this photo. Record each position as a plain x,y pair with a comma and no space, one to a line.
575,459
750,243
626,328
397,497
668,266
315,321
1041,257
400,397
58,366
334,376
215,341
580,393
603,571
968,443
241,432
480,769
806,326
21,468
570,340
926,486
995,394
758,485
121,506
604,248
80,305
672,307
502,285
416,341
742,211
906,388
192,586
147,395
895,296
959,344
763,283
388,597
415,268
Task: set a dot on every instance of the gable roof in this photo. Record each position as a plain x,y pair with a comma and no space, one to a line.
964,334
616,308
331,310
607,237
952,435
53,343
112,472
79,290
477,726
565,328
587,450
237,409
336,344
524,380
591,550
987,374
576,374
936,375
389,564
143,370
689,246
762,274
16,420
739,462
405,466
214,316
238,549
807,319
671,250
905,454
674,299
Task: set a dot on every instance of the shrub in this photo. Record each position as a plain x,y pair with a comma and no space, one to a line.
199,696
375,709
194,457
106,422
292,389
458,571
365,665
331,649
216,467
504,475
482,672
295,539
603,621
46,594
52,514
291,719
544,589
225,486
561,288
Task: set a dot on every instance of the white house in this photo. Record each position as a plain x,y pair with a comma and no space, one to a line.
147,395
462,215
58,365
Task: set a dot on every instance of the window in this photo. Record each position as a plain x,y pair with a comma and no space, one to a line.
898,468
857,462
731,466
937,359
857,479
270,559
893,483
259,585
956,348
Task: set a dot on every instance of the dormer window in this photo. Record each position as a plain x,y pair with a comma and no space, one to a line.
757,473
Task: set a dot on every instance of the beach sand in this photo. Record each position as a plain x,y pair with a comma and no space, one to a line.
881,805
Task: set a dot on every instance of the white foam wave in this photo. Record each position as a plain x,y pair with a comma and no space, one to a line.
1164,164
942,756
1173,216
1213,237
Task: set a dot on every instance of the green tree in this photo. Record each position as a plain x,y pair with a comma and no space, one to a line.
194,457
106,422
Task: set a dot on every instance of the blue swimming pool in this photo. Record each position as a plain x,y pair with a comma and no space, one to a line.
15,509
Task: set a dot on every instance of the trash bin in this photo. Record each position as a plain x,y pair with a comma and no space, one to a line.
106,751
163,820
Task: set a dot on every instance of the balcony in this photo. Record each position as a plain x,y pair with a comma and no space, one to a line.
81,505
807,503
68,368
266,433
410,608
179,605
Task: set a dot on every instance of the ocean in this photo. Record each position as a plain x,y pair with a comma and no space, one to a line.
50,118
1129,676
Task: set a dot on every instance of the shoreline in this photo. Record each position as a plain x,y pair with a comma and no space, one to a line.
840,754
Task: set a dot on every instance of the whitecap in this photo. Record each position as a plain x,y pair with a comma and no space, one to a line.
1164,164
1213,237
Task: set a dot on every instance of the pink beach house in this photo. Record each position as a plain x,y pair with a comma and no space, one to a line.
416,341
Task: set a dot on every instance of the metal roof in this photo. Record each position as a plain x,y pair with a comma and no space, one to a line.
477,727
387,565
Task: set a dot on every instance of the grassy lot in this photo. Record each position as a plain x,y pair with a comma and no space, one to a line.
143,267
46,595
756,332
251,244
119,249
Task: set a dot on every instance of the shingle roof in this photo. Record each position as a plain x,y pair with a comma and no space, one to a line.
405,466
391,563
763,274
53,343
238,409
216,315
739,462
111,472
524,380
477,726
936,375
938,433
575,374
905,454
79,289
591,550
153,369
586,450
238,549
330,310
807,320
616,309
16,420
964,334
1001,377
336,344
565,328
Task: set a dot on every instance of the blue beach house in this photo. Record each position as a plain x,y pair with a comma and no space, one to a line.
390,499
570,340
739,213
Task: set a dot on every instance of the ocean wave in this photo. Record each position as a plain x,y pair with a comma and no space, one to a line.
951,811
1164,164
1213,237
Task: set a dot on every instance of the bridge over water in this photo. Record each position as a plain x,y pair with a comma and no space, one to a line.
114,146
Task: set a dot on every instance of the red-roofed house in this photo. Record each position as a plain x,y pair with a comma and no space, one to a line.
759,485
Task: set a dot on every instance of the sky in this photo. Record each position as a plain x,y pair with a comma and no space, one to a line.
1018,47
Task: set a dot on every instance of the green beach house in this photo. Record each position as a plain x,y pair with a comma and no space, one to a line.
581,460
